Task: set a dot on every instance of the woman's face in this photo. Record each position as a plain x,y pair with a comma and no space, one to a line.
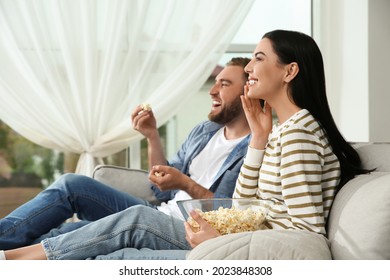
266,74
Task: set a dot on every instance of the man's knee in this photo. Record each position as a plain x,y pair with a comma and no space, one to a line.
68,180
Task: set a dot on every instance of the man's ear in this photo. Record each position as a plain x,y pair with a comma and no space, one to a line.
292,70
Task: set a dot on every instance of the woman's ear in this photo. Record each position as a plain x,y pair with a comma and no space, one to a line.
292,69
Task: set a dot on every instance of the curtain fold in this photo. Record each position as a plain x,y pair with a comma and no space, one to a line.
72,71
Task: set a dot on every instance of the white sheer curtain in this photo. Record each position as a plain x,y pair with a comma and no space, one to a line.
72,71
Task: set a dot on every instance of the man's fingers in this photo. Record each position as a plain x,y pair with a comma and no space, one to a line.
162,169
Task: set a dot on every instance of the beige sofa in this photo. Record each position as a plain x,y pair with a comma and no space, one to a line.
358,226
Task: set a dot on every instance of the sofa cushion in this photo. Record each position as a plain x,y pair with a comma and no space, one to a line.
375,155
132,181
264,245
359,221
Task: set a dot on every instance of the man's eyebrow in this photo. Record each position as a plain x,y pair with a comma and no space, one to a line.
223,80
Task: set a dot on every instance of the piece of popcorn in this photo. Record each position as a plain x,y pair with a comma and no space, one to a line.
146,107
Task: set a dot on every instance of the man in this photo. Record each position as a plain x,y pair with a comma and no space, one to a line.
207,165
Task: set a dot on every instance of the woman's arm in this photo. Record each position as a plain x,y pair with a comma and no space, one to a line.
247,181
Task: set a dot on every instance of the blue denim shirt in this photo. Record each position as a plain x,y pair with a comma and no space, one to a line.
225,180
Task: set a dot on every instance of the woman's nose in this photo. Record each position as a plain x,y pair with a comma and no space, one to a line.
248,67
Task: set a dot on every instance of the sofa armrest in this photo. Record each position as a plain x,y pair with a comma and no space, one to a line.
131,181
264,245
358,224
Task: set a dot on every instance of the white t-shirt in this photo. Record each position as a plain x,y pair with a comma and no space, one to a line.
203,168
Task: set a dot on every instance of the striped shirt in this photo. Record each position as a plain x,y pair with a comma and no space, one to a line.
296,175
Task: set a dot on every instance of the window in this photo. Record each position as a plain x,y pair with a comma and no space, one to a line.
22,163
25,168
280,14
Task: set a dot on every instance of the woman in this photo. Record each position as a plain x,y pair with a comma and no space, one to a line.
296,167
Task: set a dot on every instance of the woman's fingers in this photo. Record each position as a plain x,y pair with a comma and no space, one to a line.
244,99
189,234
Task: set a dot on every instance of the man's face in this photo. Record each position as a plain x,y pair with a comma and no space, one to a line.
225,95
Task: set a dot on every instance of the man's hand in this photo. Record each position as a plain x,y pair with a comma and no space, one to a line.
206,231
143,120
168,178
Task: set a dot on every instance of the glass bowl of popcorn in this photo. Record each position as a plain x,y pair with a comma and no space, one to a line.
227,215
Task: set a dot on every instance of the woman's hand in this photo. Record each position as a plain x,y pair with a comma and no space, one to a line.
259,120
205,232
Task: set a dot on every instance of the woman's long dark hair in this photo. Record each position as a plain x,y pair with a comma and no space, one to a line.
308,91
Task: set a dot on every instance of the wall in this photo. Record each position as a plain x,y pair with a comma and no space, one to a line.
354,39
378,69
340,29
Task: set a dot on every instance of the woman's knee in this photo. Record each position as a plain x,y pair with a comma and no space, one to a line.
140,210
140,214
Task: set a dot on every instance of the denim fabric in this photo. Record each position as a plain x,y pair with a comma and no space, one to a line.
143,254
139,229
70,194
63,228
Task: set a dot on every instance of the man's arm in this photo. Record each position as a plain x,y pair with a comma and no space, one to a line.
145,122
196,191
155,151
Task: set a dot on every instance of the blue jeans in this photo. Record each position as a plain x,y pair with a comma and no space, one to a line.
70,194
134,233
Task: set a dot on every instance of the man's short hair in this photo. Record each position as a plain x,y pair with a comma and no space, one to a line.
239,61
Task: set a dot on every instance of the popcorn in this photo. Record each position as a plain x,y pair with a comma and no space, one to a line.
145,107
231,220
